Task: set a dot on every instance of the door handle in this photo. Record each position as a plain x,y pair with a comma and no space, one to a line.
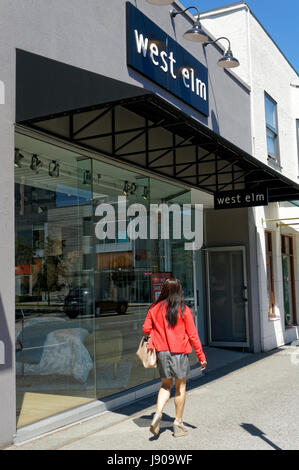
245,294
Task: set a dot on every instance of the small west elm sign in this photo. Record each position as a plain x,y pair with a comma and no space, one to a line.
154,54
244,198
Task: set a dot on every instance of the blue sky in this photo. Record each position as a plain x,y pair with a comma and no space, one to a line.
280,18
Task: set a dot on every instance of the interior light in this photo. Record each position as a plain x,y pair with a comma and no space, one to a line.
126,188
18,158
54,169
36,163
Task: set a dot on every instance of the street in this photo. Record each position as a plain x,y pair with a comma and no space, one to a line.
251,404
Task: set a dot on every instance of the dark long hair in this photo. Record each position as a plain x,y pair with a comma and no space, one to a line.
172,293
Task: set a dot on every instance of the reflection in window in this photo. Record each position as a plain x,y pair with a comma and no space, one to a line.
80,301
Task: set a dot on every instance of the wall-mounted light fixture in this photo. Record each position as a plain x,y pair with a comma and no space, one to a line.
36,163
196,33
160,2
228,61
18,158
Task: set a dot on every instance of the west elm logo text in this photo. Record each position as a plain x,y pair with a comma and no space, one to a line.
167,63
157,56
233,199
119,222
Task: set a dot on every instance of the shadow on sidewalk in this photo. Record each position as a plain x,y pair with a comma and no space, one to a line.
207,377
144,421
256,432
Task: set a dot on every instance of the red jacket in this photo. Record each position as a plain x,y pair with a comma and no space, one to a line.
179,339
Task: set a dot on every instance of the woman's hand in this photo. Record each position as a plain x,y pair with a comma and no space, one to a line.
203,364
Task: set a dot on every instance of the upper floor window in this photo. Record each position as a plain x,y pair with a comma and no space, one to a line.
271,128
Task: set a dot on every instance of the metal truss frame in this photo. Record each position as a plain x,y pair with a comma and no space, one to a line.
238,168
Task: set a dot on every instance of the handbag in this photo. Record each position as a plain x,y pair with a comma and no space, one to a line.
148,357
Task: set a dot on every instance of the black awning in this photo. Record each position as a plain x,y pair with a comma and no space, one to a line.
130,124
46,87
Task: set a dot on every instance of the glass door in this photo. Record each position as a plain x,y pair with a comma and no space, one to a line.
227,297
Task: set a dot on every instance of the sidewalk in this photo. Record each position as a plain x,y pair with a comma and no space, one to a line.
244,401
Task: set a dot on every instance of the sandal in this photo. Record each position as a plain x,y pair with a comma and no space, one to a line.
155,426
179,429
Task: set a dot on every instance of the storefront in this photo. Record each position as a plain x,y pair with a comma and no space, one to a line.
96,127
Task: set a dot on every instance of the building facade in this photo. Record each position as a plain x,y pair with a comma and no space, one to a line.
108,109
274,122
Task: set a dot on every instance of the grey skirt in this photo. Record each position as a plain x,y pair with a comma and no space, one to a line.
173,365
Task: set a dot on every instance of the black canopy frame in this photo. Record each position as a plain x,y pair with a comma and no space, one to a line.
206,160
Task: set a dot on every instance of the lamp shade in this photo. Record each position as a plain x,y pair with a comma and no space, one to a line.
160,2
228,61
196,33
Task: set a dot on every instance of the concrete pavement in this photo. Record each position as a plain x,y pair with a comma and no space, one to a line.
251,402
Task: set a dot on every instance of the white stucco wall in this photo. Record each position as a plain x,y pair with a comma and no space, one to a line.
265,68
274,332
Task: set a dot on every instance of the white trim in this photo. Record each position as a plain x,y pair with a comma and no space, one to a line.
224,9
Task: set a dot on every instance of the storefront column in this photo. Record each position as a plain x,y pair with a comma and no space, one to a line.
7,311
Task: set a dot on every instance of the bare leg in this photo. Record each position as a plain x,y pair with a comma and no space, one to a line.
180,398
164,394
163,398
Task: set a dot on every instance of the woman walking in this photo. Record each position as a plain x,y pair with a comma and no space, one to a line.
172,333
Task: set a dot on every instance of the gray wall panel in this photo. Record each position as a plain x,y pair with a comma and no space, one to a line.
91,35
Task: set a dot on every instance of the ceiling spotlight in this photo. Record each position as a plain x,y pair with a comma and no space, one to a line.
54,169
87,177
160,2
145,193
196,33
228,61
18,158
133,188
36,163
126,188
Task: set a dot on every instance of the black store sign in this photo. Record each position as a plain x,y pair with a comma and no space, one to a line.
154,54
244,198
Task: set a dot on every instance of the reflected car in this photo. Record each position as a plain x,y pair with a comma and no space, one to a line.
78,302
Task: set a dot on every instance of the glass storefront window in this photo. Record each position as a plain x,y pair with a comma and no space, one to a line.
80,300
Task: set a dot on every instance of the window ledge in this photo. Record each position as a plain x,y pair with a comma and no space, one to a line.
287,327
275,163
